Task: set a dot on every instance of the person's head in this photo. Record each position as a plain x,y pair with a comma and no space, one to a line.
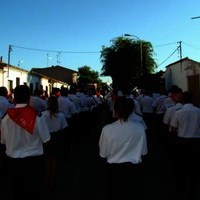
22,94
37,92
64,91
123,107
187,97
178,96
3,91
53,104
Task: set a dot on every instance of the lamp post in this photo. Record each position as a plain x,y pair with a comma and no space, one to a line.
141,51
195,17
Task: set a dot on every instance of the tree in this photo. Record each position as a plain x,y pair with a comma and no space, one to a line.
86,75
122,61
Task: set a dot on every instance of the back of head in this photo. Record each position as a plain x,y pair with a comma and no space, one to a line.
37,92
123,107
187,97
53,104
22,94
3,91
64,91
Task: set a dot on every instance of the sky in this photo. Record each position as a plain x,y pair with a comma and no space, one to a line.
71,33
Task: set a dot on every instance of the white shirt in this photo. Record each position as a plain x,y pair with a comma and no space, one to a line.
158,103
138,118
85,102
147,104
170,113
66,106
137,108
4,105
76,100
55,122
123,142
167,103
187,120
19,143
38,104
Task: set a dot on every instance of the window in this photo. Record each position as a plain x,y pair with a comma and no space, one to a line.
17,81
10,85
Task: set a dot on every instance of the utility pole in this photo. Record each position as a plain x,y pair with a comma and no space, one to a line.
180,49
9,51
180,52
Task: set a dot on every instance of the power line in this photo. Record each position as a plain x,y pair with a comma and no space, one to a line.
50,50
192,46
165,44
169,56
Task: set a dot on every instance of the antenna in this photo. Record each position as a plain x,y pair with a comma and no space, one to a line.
48,58
19,62
58,57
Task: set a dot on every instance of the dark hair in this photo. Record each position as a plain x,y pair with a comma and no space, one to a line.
187,97
22,94
3,91
123,107
53,104
64,91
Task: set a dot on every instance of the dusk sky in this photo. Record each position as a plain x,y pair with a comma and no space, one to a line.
71,33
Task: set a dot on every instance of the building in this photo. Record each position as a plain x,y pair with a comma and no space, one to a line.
54,77
44,79
185,74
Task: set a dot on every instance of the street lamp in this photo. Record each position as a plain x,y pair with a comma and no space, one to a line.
195,17
141,51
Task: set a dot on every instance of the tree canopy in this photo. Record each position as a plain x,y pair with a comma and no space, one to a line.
122,60
86,75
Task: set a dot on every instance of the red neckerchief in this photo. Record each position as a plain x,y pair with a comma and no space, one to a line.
23,116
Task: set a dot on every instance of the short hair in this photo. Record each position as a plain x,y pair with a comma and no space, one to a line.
123,107
64,91
187,97
3,91
53,104
22,94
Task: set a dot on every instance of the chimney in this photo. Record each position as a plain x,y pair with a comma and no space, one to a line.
1,59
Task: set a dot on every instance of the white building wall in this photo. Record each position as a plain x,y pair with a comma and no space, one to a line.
11,74
177,74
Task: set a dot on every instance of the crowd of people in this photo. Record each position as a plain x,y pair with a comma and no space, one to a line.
37,132
171,119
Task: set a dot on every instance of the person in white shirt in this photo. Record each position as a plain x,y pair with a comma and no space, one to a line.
59,142
5,104
123,144
37,102
23,134
186,122
66,106
147,112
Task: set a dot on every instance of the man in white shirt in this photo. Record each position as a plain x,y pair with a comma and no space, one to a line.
186,122
23,134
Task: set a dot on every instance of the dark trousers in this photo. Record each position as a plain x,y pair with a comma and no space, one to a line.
125,181
27,176
187,165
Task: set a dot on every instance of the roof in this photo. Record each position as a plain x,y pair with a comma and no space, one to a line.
56,72
182,60
3,64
